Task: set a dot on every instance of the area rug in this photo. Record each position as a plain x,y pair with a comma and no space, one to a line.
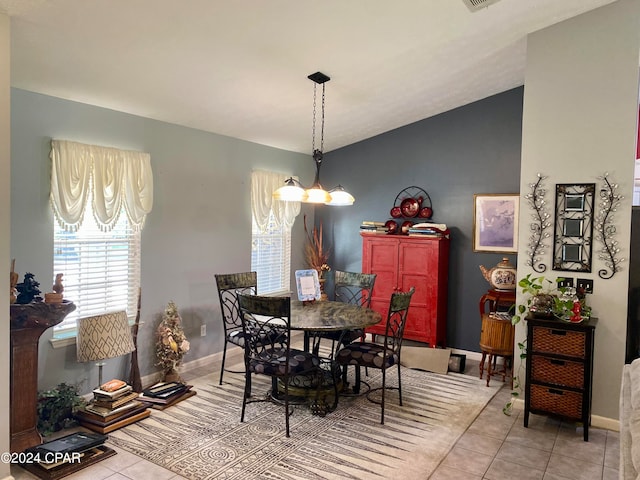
203,438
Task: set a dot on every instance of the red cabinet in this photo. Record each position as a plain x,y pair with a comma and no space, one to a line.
402,262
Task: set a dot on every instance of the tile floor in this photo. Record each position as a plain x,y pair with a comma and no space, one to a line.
494,447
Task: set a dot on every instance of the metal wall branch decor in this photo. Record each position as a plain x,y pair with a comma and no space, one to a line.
573,230
539,225
605,230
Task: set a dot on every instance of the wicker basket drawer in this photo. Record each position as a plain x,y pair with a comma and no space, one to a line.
556,400
557,340
558,372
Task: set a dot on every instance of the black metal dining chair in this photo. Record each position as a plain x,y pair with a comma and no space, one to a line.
381,356
266,322
229,286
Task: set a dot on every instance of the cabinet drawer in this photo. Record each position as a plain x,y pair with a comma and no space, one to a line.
558,372
557,340
556,400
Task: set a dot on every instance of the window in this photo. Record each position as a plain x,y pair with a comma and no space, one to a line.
271,223
271,256
101,269
100,197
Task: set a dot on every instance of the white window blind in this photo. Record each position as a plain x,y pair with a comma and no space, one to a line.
101,269
271,257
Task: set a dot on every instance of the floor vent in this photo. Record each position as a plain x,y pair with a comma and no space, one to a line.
475,5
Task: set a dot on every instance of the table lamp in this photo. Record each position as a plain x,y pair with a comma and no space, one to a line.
103,336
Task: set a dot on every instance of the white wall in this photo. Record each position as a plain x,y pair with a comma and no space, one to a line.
579,121
5,176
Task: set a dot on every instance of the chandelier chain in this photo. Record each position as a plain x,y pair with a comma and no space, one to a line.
313,128
313,132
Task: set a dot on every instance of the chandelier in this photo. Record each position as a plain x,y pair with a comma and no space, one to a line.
293,190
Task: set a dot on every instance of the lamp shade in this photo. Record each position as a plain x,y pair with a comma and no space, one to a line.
104,336
339,196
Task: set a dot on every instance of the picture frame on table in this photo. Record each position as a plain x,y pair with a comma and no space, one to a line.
495,222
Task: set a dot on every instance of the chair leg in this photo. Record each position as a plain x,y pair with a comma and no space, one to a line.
247,390
356,387
384,372
224,357
399,384
286,403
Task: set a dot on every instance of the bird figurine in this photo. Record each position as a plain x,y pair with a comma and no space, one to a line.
57,286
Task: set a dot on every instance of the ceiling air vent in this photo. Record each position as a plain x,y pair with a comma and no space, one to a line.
475,5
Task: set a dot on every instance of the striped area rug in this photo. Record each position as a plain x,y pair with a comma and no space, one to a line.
202,437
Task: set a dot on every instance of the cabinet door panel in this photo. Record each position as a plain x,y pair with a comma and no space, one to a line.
403,262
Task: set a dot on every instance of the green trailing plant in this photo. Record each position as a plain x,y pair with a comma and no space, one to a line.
532,289
55,408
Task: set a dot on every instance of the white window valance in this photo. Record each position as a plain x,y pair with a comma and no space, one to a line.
115,178
263,184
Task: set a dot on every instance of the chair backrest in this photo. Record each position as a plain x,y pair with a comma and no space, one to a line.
355,288
396,321
229,286
266,327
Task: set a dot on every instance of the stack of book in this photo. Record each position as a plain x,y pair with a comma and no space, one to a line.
429,229
373,227
62,456
164,394
114,405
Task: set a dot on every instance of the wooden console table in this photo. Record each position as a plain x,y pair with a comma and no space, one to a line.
27,323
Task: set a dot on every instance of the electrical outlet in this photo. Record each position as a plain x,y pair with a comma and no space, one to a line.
565,282
586,284
203,330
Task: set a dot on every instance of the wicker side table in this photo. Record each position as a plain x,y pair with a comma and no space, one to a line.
497,333
496,340
560,370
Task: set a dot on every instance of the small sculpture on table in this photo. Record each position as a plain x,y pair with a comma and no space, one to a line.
58,288
13,281
28,290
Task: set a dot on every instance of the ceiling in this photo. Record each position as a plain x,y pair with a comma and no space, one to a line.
239,67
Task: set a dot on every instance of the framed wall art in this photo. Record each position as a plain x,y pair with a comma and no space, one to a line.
495,222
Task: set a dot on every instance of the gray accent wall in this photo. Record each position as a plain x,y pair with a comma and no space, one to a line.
452,156
200,224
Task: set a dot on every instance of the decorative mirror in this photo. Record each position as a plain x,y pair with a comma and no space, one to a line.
572,246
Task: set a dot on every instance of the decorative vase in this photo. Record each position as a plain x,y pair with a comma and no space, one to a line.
542,305
171,375
323,294
501,277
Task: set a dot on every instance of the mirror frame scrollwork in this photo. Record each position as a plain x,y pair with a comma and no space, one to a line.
573,231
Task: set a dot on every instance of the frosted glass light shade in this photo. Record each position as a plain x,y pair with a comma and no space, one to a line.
291,191
317,194
339,196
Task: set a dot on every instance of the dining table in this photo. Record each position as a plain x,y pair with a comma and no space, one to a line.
312,317
329,316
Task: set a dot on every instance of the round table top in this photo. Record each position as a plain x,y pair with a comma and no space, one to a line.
331,316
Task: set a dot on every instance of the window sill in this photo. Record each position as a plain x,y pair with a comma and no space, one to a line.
62,342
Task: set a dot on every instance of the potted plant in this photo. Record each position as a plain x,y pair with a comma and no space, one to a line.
171,343
56,407
540,294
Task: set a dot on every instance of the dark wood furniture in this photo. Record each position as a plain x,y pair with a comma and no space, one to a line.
497,333
559,370
402,262
27,323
